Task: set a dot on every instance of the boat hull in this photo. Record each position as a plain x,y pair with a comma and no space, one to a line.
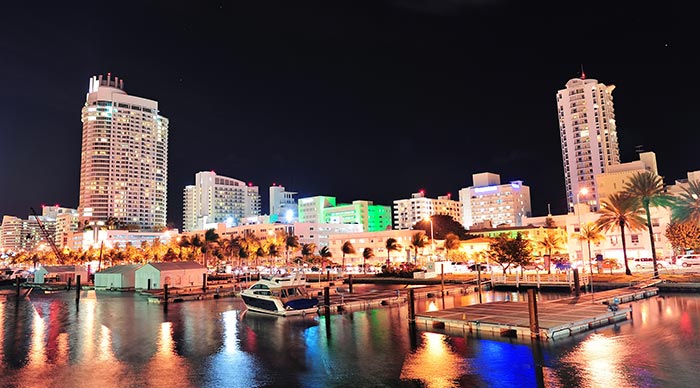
275,307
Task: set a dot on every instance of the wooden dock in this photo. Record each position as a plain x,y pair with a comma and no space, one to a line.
557,318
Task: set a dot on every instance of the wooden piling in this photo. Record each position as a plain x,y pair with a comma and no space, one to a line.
68,285
165,296
442,279
577,283
77,288
350,283
411,307
17,282
478,279
204,282
534,317
327,299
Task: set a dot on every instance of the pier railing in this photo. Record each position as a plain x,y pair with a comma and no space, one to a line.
565,279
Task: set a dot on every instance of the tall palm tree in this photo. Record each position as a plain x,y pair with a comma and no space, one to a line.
590,234
183,242
367,254
686,207
451,242
620,211
196,243
418,240
291,242
211,240
232,247
391,245
648,189
348,249
551,241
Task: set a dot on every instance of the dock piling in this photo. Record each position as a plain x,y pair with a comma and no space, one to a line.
350,283
534,316
204,282
77,288
577,283
411,307
17,282
327,299
478,279
165,296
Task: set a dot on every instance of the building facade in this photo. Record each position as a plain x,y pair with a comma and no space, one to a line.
124,157
217,199
322,209
283,206
488,203
411,210
588,134
614,179
377,242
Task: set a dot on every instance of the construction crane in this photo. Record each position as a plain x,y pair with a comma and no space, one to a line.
48,237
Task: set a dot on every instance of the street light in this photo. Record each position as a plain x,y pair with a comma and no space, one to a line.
432,236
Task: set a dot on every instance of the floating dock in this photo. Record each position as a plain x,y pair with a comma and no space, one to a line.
556,319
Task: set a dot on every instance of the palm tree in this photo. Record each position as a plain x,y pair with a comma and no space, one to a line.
590,234
325,253
347,249
648,189
551,241
367,254
451,242
183,242
418,240
273,250
308,250
291,242
231,246
211,240
620,211
686,207
391,245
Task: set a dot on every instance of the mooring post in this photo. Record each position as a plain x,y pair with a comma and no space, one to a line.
493,281
517,280
17,281
328,275
534,317
478,279
68,285
538,278
204,282
165,296
77,288
327,299
442,279
350,283
411,307
577,283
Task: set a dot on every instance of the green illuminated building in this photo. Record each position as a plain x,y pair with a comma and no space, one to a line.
324,209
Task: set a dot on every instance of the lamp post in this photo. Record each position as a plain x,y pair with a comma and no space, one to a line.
584,191
432,236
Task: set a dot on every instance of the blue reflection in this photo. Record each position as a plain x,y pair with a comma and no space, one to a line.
504,364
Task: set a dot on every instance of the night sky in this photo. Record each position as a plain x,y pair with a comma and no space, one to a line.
360,100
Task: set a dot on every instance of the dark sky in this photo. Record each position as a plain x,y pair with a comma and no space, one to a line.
361,100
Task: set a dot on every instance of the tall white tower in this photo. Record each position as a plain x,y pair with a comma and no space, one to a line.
124,158
588,136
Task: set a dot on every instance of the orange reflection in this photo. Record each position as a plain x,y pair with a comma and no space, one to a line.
166,368
602,361
435,364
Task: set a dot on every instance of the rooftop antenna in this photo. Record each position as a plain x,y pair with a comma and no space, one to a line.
583,74
549,209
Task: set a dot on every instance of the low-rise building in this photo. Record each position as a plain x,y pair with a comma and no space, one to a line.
174,274
407,212
118,277
377,242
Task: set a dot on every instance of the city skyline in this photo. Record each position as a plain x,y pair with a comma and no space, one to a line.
416,96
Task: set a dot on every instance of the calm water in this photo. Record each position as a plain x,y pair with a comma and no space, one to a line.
119,340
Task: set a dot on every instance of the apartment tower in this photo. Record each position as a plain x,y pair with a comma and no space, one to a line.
124,158
588,137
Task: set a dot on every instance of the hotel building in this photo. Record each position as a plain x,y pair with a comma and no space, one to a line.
217,199
588,133
488,203
322,209
124,158
409,211
283,206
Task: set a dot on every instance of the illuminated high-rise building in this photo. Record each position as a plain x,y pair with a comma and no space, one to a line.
411,210
124,159
215,199
488,203
588,136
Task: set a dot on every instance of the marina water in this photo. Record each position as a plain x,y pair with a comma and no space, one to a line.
120,340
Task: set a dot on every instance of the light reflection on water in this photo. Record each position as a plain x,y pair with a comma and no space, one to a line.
117,340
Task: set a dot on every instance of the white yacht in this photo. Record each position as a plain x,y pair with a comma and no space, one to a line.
280,295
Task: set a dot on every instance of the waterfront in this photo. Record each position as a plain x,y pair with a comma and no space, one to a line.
119,340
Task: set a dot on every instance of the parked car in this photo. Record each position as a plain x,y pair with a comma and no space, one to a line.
648,263
686,261
483,267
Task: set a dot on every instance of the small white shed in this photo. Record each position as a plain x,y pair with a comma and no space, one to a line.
60,274
117,277
175,274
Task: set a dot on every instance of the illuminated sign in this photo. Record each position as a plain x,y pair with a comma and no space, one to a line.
515,185
487,189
